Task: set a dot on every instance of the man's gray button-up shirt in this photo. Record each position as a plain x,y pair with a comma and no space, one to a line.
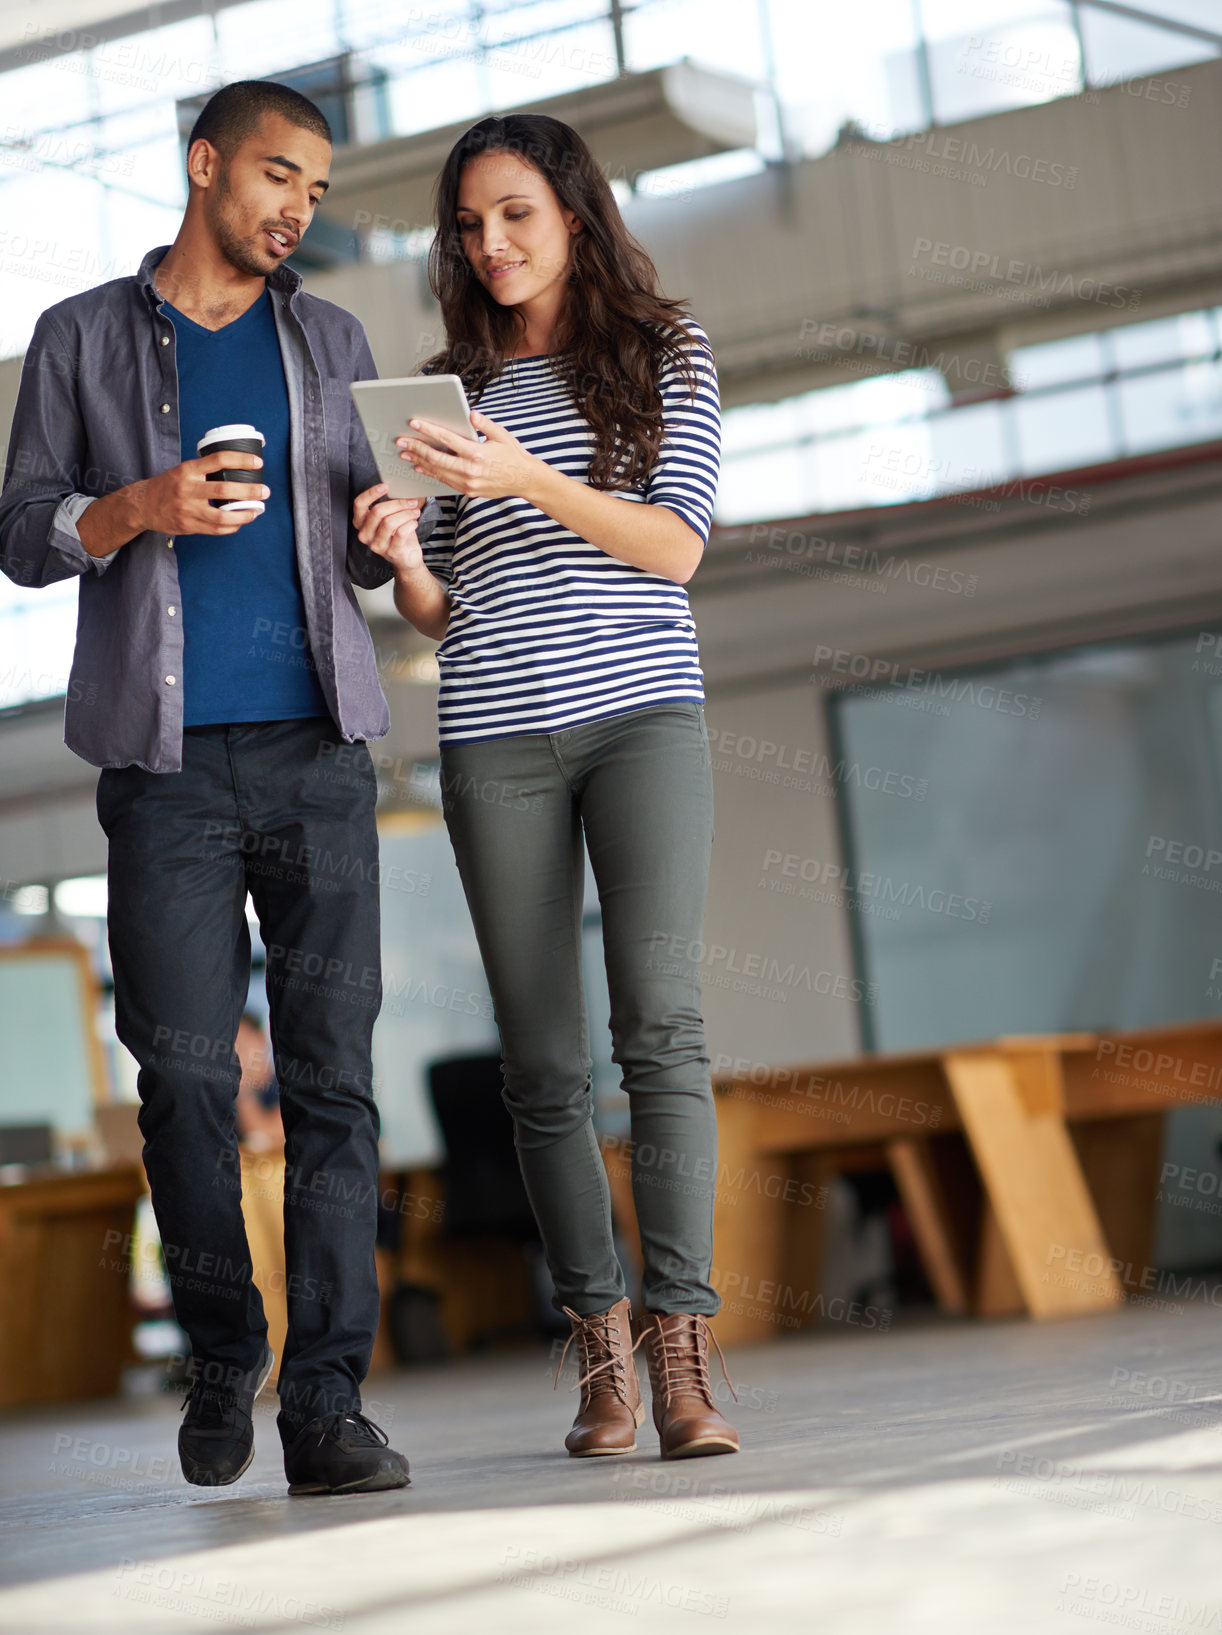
98,409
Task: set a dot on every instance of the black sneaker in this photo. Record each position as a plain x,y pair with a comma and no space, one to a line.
216,1440
343,1453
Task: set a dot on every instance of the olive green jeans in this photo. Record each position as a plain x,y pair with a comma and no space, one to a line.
638,789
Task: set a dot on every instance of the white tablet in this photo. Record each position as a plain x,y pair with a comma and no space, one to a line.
386,406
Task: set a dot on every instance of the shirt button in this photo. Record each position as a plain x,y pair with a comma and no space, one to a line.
169,544
165,408
171,611
169,681
165,340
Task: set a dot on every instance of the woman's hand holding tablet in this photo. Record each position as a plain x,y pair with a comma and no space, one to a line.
498,467
386,406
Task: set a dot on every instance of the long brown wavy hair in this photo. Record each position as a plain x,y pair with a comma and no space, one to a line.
615,330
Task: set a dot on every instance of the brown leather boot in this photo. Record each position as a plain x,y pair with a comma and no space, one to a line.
611,1407
677,1349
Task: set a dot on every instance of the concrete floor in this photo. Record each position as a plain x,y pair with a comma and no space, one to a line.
990,1479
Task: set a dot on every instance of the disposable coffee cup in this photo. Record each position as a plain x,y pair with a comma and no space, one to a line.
235,440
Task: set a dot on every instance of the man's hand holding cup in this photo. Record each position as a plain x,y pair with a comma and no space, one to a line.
191,499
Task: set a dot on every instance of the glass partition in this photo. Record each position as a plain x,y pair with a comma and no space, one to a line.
1064,869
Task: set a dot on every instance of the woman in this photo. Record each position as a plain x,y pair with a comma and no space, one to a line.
571,702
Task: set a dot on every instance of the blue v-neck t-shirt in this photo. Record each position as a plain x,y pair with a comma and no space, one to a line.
246,651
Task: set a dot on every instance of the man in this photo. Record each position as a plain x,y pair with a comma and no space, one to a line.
225,681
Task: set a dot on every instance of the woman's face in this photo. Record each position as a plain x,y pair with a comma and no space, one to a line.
515,233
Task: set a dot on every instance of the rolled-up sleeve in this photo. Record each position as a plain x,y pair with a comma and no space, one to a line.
684,475
40,505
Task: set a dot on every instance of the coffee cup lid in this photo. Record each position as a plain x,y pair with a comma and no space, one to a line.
219,434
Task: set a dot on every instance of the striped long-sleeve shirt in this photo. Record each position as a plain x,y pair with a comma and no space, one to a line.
547,630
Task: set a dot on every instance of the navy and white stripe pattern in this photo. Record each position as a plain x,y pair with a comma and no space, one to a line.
546,630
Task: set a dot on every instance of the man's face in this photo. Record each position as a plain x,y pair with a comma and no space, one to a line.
261,201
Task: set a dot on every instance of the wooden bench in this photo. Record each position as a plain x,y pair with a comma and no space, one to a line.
1027,1166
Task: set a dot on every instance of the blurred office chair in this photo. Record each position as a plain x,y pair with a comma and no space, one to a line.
484,1187
479,1276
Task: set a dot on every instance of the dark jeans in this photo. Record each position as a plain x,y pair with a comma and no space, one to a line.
639,787
271,807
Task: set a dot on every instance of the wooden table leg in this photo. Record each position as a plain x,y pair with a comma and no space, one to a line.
803,1228
996,1292
748,1236
921,1195
263,1213
1011,1105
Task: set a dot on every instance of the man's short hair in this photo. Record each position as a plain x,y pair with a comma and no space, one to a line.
237,110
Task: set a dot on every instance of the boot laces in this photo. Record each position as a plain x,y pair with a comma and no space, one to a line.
605,1358
683,1356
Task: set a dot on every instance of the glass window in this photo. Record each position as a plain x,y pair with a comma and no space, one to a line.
427,91
763,483
891,439
678,182
1086,932
37,636
161,65
893,464
1122,48
1009,54
1076,357
1186,335
720,34
830,70
517,70
1059,430
56,245
878,398
1196,13
759,426
514,17
44,95
264,37
844,473
968,447
1171,407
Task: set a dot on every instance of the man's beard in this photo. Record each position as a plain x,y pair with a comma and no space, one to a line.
240,253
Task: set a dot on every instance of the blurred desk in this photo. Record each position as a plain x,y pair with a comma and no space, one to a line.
263,1215
482,1279
65,1314
1027,1166
476,1284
